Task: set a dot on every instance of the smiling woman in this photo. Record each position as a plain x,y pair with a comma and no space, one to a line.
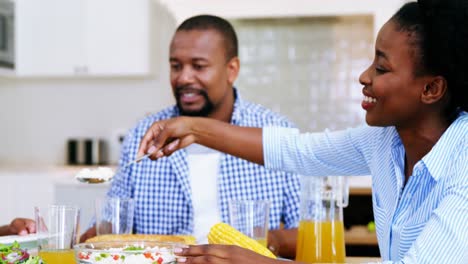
415,147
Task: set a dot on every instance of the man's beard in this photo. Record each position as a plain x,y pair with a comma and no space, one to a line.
206,109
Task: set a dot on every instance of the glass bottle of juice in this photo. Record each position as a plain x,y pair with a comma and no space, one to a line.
321,230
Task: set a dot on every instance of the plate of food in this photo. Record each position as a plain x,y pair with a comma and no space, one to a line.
126,252
99,175
181,239
14,254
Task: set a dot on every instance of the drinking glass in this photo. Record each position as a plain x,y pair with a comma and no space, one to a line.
114,215
250,218
57,232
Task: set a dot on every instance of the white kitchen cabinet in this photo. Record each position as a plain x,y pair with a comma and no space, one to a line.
82,38
21,189
50,37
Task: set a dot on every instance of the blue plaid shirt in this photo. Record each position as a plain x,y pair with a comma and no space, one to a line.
162,190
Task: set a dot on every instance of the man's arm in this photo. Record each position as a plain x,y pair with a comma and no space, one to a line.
90,233
4,230
19,226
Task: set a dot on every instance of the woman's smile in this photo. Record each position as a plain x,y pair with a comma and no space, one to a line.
368,102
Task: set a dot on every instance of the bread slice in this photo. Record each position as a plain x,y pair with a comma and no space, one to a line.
186,239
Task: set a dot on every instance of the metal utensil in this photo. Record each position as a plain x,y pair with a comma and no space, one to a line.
137,160
94,180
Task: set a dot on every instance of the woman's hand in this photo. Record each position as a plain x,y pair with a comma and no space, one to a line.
273,243
166,136
221,254
282,242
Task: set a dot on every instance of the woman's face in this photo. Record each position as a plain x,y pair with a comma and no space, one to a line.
391,90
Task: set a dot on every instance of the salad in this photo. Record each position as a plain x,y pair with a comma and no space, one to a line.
13,254
128,255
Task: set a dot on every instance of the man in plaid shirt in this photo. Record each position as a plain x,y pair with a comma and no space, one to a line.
189,191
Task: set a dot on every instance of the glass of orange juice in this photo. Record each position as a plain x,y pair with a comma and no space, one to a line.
251,218
321,230
57,232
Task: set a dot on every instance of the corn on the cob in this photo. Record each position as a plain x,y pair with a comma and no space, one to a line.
225,234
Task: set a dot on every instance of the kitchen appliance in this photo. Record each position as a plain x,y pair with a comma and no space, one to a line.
86,151
7,34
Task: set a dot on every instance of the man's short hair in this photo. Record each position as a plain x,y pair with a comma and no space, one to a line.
222,26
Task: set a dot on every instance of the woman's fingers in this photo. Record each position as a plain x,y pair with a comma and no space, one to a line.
149,143
165,137
221,251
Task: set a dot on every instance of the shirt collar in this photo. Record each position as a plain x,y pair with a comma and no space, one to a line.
238,108
448,143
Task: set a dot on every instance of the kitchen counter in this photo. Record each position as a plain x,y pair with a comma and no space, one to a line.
43,185
64,173
360,235
356,260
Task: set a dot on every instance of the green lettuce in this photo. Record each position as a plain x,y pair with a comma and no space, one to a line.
13,254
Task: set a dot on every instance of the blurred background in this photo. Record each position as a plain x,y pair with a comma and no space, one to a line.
87,70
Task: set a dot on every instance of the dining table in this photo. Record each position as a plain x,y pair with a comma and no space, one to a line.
29,242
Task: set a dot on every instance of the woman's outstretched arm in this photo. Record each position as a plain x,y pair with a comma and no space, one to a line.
166,136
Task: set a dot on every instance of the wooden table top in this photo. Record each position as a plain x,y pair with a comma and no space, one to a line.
356,260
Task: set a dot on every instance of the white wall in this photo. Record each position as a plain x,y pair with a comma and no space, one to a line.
380,9
307,68
37,116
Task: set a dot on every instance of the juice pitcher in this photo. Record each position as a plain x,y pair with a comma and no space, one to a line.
321,230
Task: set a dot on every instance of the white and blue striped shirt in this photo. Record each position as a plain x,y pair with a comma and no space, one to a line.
424,222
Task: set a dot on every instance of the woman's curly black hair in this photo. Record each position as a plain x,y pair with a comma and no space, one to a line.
439,33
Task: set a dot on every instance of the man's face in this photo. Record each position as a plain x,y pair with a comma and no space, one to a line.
200,75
